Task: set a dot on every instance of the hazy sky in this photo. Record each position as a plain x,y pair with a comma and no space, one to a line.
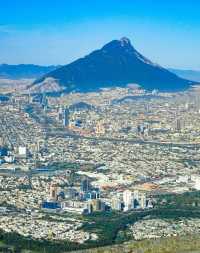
59,31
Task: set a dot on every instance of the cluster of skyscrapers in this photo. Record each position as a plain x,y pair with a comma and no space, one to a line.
88,199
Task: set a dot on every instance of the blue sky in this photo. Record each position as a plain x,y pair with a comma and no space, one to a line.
57,32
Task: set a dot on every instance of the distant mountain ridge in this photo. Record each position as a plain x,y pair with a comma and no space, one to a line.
117,63
24,71
193,75
33,71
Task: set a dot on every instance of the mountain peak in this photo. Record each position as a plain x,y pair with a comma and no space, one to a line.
121,44
117,63
125,41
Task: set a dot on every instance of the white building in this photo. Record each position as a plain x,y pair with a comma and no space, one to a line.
22,151
196,180
143,201
128,200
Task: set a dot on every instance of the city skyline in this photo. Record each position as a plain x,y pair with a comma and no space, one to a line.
99,126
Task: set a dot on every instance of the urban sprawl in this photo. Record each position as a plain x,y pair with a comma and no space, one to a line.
116,150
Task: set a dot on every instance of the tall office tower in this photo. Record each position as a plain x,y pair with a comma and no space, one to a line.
60,113
85,185
128,200
1,141
143,201
89,207
53,192
44,101
66,117
135,199
178,125
136,194
96,204
39,145
116,203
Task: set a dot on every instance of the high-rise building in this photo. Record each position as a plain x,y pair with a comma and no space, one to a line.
44,101
143,201
66,117
136,194
60,114
178,125
88,207
95,205
22,151
116,204
128,200
85,185
53,192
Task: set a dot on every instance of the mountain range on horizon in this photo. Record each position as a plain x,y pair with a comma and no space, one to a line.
117,63
24,71
193,75
34,71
